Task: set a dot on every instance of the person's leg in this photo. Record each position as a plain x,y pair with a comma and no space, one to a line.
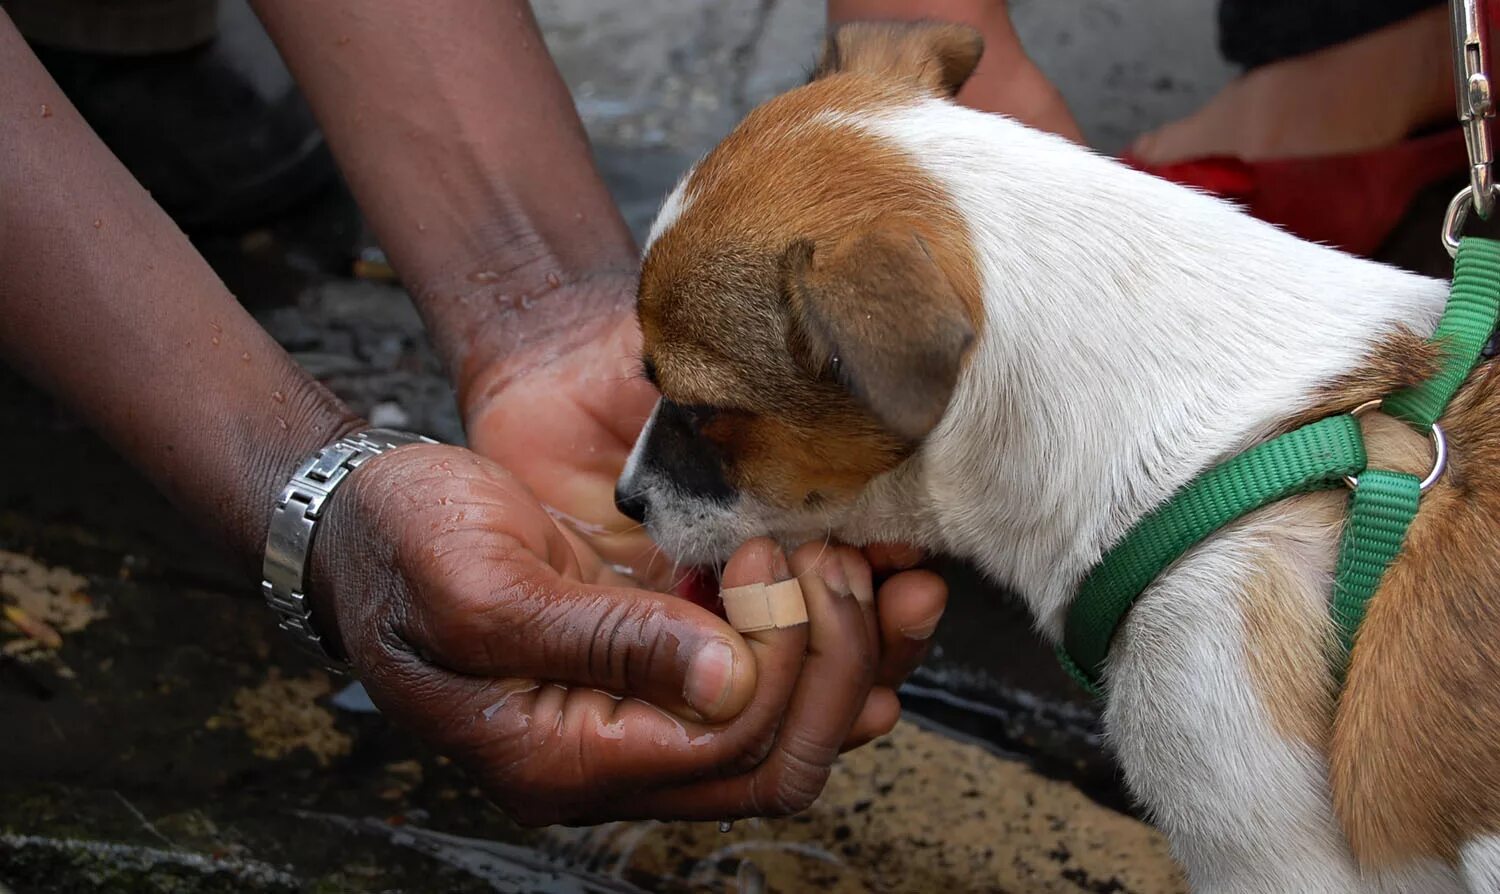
210,123
1365,93
1006,81
116,27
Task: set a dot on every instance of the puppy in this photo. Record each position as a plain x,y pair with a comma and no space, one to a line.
875,314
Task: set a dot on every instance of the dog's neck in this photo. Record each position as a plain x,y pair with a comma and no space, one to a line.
1135,333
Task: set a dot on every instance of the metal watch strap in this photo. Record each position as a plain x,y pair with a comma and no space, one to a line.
294,520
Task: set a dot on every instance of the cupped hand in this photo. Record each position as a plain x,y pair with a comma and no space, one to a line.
571,696
561,411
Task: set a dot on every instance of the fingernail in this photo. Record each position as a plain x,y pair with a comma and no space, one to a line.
923,629
710,677
831,569
858,575
777,567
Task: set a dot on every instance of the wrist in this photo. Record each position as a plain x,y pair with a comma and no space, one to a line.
297,521
507,338
309,417
494,272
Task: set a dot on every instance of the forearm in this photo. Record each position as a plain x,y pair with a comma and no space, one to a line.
461,143
106,305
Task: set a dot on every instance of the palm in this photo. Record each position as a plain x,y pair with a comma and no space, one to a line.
565,428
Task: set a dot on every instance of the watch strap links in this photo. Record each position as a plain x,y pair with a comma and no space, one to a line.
294,522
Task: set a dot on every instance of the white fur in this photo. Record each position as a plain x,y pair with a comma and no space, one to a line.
673,207
1481,862
1134,334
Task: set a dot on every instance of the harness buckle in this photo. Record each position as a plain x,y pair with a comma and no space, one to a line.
1439,448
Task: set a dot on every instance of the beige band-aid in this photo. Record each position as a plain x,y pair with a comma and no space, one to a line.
765,606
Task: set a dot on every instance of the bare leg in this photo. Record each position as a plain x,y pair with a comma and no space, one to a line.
1006,81
1364,94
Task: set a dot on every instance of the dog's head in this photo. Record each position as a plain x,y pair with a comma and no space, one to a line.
808,300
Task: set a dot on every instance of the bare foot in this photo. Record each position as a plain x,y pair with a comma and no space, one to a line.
1364,94
1006,81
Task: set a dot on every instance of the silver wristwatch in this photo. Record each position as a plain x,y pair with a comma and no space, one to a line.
294,519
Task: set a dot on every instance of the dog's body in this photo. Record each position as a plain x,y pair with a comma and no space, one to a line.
1094,338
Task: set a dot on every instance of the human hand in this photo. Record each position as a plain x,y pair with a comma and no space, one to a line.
562,412
479,625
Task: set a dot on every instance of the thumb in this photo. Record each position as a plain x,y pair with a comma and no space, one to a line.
518,617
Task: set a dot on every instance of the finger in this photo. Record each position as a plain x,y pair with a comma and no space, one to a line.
505,613
887,558
830,693
877,718
910,606
628,745
547,753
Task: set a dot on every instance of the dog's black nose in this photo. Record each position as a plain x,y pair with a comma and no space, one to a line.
632,506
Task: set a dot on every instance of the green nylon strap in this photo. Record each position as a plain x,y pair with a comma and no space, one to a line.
1314,457
1380,511
1467,324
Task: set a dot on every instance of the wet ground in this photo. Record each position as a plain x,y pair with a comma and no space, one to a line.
168,740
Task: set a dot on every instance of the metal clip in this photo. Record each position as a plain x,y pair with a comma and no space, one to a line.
1475,97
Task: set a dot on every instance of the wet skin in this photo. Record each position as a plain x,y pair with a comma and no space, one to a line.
439,572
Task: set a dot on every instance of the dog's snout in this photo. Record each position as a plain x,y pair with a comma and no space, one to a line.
631,505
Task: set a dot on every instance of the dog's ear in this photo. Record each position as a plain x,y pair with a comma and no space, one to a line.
939,57
876,314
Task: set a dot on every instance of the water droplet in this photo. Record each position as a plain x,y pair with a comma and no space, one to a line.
46,111
421,227
343,41
578,216
98,223
215,326
215,340
282,422
725,826
484,276
278,397
245,356
527,301
553,280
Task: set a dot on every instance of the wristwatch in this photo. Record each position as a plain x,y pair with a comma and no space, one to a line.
294,521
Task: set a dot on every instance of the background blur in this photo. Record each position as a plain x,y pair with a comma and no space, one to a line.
174,742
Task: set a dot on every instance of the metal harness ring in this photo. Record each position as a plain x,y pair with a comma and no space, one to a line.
1458,215
1439,449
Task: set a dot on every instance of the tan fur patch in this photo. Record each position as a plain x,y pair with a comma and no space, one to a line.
1288,634
1415,748
1288,629
713,311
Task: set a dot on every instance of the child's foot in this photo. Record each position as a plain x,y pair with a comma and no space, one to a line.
1365,94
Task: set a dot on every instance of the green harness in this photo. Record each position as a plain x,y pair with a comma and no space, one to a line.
1321,456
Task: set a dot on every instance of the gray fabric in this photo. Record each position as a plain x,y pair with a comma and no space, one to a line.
1258,32
116,27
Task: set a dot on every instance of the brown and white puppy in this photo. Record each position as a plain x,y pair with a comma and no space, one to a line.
875,314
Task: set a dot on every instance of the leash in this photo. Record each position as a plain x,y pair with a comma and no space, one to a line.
1331,452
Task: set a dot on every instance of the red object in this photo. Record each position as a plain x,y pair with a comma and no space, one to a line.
700,587
1351,202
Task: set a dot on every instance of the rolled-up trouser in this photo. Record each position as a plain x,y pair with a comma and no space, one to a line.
116,27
